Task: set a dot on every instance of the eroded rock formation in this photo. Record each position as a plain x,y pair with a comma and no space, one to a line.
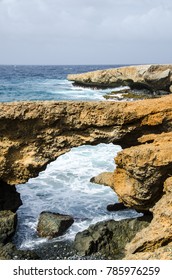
142,170
152,77
155,241
105,178
106,238
32,134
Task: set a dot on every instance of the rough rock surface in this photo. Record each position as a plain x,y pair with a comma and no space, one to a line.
9,252
156,240
153,77
32,134
106,238
53,224
105,178
142,170
8,221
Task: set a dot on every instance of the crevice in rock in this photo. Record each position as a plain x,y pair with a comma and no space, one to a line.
9,197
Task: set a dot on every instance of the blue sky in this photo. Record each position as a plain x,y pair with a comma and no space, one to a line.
85,31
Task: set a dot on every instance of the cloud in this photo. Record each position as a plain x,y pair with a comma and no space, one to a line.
62,26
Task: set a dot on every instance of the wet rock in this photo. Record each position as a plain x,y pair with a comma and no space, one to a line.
108,238
8,221
130,95
9,252
51,225
116,207
56,250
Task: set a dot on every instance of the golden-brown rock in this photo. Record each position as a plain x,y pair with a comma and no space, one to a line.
155,241
153,77
32,134
105,178
141,171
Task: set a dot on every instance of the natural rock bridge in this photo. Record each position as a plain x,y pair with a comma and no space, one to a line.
32,134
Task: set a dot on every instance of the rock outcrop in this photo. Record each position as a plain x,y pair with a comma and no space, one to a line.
155,242
152,77
105,178
142,170
106,238
32,134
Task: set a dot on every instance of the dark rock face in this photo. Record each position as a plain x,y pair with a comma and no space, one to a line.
8,221
108,238
116,206
53,224
9,197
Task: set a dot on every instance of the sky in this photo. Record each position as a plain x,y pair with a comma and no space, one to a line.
85,31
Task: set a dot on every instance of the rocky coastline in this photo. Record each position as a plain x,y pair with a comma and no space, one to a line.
32,134
150,77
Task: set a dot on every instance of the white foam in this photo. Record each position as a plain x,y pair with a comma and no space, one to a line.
65,187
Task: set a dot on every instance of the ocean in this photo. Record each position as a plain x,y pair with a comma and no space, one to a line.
64,187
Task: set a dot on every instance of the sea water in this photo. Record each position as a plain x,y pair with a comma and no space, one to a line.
64,187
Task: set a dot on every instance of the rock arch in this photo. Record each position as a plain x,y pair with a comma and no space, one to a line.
33,134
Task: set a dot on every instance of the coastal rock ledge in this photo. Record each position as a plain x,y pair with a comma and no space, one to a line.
152,77
32,134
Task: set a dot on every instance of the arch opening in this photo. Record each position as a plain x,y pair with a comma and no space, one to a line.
65,187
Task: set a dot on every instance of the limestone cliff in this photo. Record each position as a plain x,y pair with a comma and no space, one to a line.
142,170
32,134
155,241
152,77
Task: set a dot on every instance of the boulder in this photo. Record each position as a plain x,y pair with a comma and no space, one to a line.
51,225
109,237
8,221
